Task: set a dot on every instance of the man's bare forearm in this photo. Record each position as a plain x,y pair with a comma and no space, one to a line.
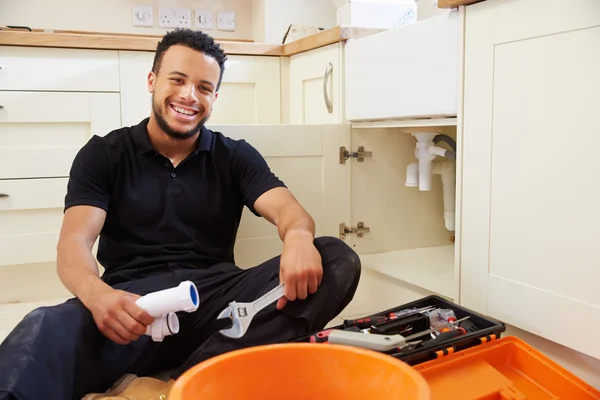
78,270
295,221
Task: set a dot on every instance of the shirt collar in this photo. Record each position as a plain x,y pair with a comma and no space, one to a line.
143,145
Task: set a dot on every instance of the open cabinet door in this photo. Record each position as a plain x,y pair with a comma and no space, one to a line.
306,159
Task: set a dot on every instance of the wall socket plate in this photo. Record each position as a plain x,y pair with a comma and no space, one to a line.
226,20
143,16
203,19
170,17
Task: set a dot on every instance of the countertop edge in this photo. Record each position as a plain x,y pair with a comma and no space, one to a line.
99,41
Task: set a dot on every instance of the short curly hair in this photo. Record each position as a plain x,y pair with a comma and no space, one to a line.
195,40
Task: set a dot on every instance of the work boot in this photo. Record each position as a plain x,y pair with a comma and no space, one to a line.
132,387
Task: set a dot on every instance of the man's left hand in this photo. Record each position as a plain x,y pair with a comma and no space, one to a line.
300,267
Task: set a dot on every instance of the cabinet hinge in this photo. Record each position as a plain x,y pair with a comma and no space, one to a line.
360,154
360,230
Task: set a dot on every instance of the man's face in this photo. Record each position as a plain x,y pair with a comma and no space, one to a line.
183,91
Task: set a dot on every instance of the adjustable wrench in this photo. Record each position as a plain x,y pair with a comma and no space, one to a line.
241,314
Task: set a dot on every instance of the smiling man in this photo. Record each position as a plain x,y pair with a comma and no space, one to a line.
165,197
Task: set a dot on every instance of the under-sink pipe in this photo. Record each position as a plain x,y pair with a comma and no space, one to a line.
420,173
447,171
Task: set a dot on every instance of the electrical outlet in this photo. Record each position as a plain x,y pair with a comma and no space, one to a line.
226,21
174,17
204,19
143,16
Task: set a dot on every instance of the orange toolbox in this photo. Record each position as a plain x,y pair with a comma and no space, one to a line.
471,361
502,369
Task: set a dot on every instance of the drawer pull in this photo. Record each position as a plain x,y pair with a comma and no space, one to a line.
1,107
328,72
3,195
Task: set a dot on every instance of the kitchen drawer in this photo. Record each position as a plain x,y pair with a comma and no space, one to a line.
31,214
34,68
41,132
406,72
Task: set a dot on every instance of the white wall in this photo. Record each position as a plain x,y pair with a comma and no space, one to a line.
115,15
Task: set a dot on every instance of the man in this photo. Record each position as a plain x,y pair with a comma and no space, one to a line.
166,197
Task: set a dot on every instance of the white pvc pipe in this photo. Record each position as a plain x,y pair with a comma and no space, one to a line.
412,175
424,141
448,174
163,305
424,166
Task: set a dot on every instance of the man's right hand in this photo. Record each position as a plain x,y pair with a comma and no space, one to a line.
118,317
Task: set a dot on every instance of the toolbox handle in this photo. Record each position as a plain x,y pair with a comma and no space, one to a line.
488,338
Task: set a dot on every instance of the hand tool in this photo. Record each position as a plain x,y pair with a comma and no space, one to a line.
366,322
410,311
417,321
322,336
442,337
374,341
241,314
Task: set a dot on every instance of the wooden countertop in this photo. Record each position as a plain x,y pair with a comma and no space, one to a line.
109,41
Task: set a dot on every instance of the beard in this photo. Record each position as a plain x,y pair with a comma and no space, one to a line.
173,133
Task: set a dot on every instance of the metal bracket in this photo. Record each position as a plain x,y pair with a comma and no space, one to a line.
360,230
360,154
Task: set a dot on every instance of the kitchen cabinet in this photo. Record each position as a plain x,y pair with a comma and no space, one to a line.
249,93
529,198
36,151
316,86
48,69
402,241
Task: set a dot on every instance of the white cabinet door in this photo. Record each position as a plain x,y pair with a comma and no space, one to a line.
305,158
31,216
41,132
530,221
315,86
249,93
76,70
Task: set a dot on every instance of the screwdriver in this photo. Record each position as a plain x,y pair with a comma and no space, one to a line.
374,341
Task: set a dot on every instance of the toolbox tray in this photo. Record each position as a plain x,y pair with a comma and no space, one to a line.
486,329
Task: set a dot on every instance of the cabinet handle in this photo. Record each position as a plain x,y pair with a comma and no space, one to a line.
1,107
3,195
328,72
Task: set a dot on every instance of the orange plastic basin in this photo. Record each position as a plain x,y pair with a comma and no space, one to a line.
505,369
301,371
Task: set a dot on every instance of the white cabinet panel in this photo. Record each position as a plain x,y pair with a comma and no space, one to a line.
32,194
249,93
411,71
542,258
315,79
78,70
304,158
41,132
31,216
136,101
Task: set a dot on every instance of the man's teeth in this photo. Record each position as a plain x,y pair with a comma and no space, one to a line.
184,111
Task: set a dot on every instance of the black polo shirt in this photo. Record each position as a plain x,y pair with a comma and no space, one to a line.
158,216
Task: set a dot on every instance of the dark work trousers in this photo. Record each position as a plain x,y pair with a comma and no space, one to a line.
57,352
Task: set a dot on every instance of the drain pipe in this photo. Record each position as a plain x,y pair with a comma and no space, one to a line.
418,174
448,174
425,152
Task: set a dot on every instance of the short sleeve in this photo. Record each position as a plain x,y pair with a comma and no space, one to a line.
90,176
253,175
